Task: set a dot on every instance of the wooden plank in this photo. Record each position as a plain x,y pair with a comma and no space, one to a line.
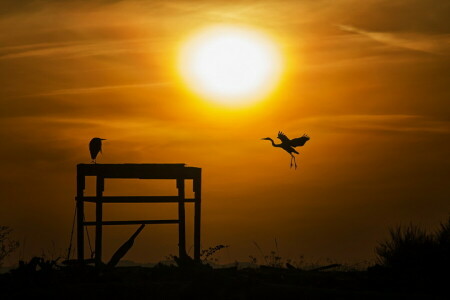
139,171
135,199
91,223
197,217
122,251
182,218
98,221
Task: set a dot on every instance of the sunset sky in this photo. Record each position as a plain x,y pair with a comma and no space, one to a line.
368,81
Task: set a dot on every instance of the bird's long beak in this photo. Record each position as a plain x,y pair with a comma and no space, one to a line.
103,139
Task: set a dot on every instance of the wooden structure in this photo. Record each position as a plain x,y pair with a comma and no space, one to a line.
178,172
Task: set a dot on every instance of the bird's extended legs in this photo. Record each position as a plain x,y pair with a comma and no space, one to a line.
293,159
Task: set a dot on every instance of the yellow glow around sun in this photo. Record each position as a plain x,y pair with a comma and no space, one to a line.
230,65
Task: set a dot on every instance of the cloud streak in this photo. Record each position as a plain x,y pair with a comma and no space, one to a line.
99,89
387,123
75,49
434,44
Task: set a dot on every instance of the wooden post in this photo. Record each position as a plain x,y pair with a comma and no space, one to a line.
182,219
98,220
80,216
197,216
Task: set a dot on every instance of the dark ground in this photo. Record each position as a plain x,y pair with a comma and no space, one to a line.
171,282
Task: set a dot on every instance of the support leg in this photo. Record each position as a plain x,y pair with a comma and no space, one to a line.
80,215
80,231
197,216
182,220
98,220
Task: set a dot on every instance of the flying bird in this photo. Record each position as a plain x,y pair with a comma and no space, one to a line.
95,146
289,145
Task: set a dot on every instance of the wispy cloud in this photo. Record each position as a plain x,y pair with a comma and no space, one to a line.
388,122
99,89
432,44
75,49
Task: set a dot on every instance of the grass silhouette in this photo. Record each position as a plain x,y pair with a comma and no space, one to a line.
412,249
412,263
7,244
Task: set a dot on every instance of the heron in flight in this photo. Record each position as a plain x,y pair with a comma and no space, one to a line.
289,145
95,146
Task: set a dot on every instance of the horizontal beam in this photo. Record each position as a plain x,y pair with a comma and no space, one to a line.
134,199
137,222
139,171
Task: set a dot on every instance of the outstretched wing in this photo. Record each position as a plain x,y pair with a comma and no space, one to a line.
299,141
283,138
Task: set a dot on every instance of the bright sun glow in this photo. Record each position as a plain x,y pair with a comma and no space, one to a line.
230,65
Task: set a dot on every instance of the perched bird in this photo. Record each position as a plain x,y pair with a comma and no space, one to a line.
289,145
95,146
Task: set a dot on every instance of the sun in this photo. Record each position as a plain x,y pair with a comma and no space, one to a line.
230,65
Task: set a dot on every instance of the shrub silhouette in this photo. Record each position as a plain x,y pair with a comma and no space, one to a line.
7,245
443,243
411,249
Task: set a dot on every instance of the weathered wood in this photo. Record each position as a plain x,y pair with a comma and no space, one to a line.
98,220
91,223
80,215
197,216
135,199
139,171
182,219
325,267
117,256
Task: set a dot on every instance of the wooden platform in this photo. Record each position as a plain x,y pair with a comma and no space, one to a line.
139,171
178,172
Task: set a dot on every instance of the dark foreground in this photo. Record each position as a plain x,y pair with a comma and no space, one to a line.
170,282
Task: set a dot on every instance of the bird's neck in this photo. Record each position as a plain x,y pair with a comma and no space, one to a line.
273,143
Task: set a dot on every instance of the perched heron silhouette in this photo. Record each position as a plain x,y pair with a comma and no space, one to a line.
289,145
95,146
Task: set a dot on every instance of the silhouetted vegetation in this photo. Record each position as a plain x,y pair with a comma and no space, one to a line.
415,258
7,245
38,264
412,248
273,259
412,263
206,255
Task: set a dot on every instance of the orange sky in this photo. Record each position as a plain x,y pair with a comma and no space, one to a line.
367,80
